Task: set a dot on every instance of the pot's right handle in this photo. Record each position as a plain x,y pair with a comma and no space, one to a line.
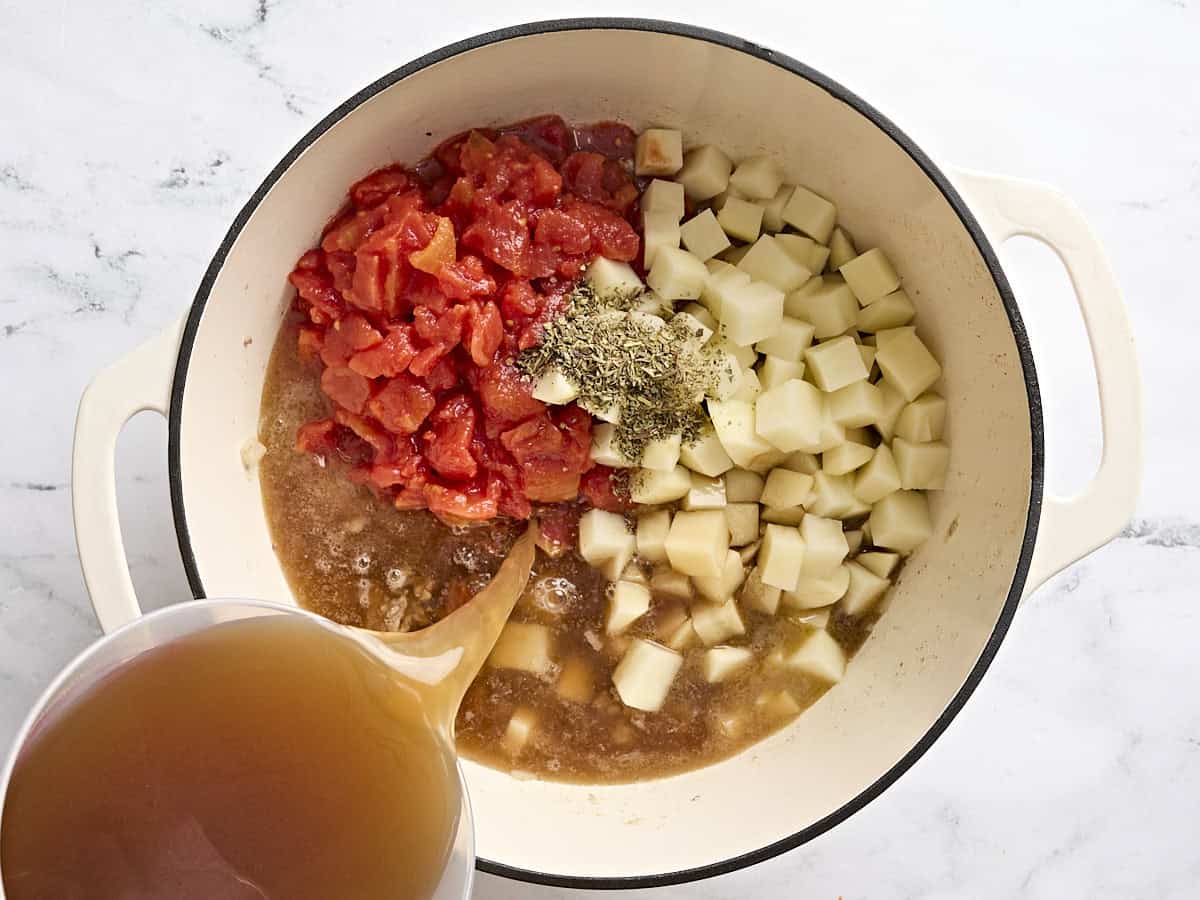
137,382
1070,528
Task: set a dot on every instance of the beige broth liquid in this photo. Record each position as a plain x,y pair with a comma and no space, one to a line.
261,758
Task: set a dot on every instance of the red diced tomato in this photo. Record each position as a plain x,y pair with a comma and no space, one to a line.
465,279
484,332
507,396
367,432
389,358
520,299
427,360
402,405
346,388
309,342
315,437
598,489
563,232
378,186
501,233
448,439
442,376
438,252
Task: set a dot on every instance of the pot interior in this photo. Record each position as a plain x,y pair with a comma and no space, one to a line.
953,593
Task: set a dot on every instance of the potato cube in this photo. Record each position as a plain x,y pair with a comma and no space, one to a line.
835,364
692,331
811,214
576,681
891,311
878,478
721,663
734,422
652,528
825,546
746,357
789,342
735,254
683,636
870,275
922,467
767,461
879,562
833,497
757,596
829,306
519,731
654,486
846,457
698,542
777,705
751,312
769,262
782,515
676,274
785,488
524,646
815,593
799,461
748,389
705,493
773,371
662,196
705,172
627,603
884,335
741,219
719,588
864,591
748,553
757,177
900,521
857,404
616,568
724,374
605,450
703,235
603,536
854,540
923,420
742,519
730,193
742,486
841,248
672,584
892,404
721,282
704,455
830,434
716,622
908,365
789,415
781,556
658,230
661,454
807,252
609,277
644,675
867,352
811,618
773,209
552,386
658,151
818,656
700,314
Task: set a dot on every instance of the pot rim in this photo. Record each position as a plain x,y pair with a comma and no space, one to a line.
839,92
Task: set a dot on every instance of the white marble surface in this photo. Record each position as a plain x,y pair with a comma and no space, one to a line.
131,132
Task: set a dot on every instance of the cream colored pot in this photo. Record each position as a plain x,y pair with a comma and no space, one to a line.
996,535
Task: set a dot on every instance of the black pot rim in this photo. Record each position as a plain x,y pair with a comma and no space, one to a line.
932,172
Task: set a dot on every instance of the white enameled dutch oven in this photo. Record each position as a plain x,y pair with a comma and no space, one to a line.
996,536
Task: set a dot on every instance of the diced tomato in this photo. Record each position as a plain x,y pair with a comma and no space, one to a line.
612,236
378,186
341,268
454,506
448,438
388,358
599,490
308,344
507,396
368,432
346,388
428,359
501,233
558,528
549,455
484,332
611,139
442,376
425,291
315,437
520,299
402,405
465,279
438,252
347,232
563,232
550,135
316,287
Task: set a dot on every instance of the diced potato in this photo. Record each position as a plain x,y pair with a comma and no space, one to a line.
742,519
667,618
854,540
725,374
782,515
676,274
846,457
769,262
864,591
627,603
741,219
773,371
576,681
610,414
720,588
683,636
705,493
813,618
768,461
830,434
757,177
697,332
867,352
663,196
720,663
735,254
923,420
751,312
704,455
716,622
634,573
800,461
749,553
703,235
552,386
654,486
900,521
818,656
811,214
857,404
720,282
653,305
773,209
870,275
808,252
828,305
922,467
605,450
789,342
644,675
652,528
705,172
697,542
835,364
841,249
884,335
892,404
607,276
614,569
734,422
789,415
878,478
784,488
879,562
671,583
862,435
742,486
833,497
825,546
746,357
603,536
814,593
519,731
781,556
659,151
718,202
777,705
659,229
887,312
907,364
524,646
749,388
757,596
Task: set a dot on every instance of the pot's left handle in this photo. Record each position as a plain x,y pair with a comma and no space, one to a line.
140,381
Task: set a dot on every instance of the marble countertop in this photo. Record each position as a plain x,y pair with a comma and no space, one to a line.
132,131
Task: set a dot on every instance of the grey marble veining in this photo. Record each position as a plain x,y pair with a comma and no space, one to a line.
132,132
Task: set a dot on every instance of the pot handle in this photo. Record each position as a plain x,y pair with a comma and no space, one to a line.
137,382
1070,528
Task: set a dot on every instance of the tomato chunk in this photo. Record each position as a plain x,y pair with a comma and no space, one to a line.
403,404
